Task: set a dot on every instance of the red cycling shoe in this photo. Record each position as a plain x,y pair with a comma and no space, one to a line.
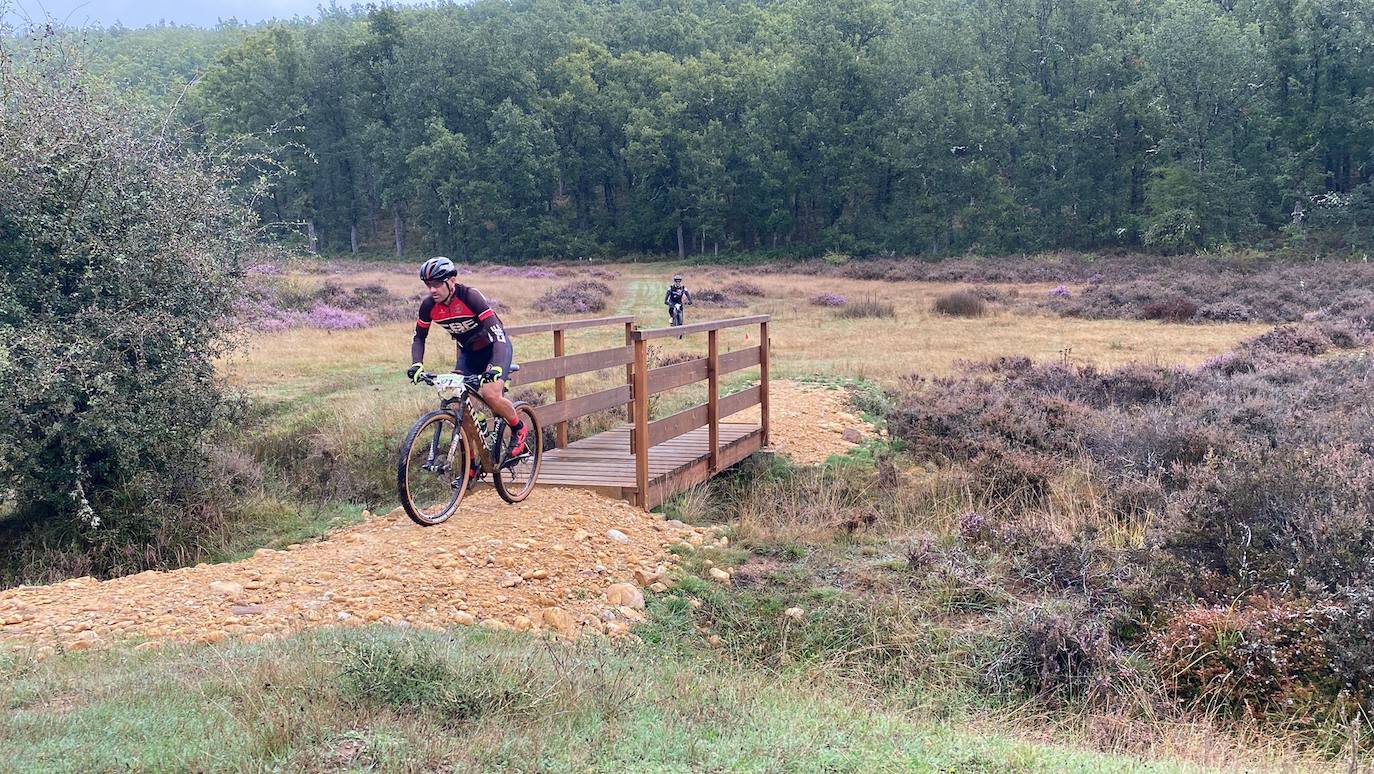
519,447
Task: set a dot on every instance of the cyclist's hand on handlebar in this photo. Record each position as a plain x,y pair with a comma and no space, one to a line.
492,374
415,373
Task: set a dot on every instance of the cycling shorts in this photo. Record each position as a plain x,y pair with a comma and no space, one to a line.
477,361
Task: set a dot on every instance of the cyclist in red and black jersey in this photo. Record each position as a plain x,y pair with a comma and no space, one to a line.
483,347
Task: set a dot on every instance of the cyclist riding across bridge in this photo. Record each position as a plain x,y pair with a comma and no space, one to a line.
674,298
482,344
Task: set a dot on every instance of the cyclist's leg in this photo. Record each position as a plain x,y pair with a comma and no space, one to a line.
495,396
477,362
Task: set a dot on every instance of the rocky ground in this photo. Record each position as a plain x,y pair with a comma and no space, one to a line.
565,560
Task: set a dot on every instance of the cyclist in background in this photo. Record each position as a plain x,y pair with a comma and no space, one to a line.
674,298
482,344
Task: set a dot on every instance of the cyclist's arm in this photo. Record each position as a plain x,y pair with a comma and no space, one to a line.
667,297
687,295
422,321
502,352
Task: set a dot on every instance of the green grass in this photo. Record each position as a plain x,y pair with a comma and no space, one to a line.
268,522
390,700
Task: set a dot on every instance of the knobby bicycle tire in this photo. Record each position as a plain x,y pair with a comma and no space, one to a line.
505,479
458,462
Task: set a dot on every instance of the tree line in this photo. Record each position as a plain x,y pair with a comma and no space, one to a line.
563,128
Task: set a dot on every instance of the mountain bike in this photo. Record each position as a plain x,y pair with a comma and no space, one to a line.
460,442
675,314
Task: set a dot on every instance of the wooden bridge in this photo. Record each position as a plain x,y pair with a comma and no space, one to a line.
644,461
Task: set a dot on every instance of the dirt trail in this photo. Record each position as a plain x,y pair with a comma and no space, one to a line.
549,563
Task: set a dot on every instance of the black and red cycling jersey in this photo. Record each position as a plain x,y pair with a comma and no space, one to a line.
471,322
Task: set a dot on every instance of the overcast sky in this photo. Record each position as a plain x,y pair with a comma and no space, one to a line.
141,13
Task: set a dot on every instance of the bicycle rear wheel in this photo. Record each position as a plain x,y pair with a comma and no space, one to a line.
432,474
514,478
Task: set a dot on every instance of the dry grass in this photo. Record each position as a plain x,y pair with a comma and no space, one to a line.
806,340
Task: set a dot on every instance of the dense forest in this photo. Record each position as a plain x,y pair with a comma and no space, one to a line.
565,128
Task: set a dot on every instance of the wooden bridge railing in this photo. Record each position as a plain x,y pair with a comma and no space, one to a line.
562,365
642,382
648,382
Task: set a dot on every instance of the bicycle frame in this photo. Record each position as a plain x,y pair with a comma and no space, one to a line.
467,420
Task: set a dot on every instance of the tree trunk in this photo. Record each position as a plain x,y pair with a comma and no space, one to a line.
314,242
715,248
681,245
353,237
400,234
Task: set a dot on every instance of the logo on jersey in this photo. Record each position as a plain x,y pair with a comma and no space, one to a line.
459,326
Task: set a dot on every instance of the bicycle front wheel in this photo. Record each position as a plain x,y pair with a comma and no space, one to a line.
432,474
514,478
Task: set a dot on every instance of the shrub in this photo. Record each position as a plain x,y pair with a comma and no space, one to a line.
575,298
1261,656
1349,639
867,307
960,303
828,299
1170,310
1343,334
743,288
658,358
332,318
1291,340
123,258
1279,517
1061,291
1227,311
1059,648
715,298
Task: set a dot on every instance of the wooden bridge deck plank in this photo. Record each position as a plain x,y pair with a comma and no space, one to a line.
603,461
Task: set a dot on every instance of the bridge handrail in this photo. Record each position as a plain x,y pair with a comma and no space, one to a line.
644,334
645,434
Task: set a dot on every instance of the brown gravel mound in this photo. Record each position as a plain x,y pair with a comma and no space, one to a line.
545,564
550,563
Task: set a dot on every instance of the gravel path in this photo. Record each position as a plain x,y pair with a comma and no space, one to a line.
564,560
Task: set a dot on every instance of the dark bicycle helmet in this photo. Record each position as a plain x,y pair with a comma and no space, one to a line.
438,268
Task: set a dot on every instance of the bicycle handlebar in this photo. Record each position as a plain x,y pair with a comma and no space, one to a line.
473,382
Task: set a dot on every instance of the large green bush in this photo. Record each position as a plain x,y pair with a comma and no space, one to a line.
120,251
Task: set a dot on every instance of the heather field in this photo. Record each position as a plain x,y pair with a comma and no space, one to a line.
1122,530
1092,497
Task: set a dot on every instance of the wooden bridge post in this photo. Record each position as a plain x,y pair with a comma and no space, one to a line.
630,377
763,379
560,389
713,399
640,436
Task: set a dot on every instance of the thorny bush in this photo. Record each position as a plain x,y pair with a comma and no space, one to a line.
123,252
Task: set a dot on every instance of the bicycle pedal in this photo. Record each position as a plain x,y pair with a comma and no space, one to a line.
510,461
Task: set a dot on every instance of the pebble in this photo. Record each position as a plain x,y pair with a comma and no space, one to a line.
625,594
719,575
617,536
559,620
